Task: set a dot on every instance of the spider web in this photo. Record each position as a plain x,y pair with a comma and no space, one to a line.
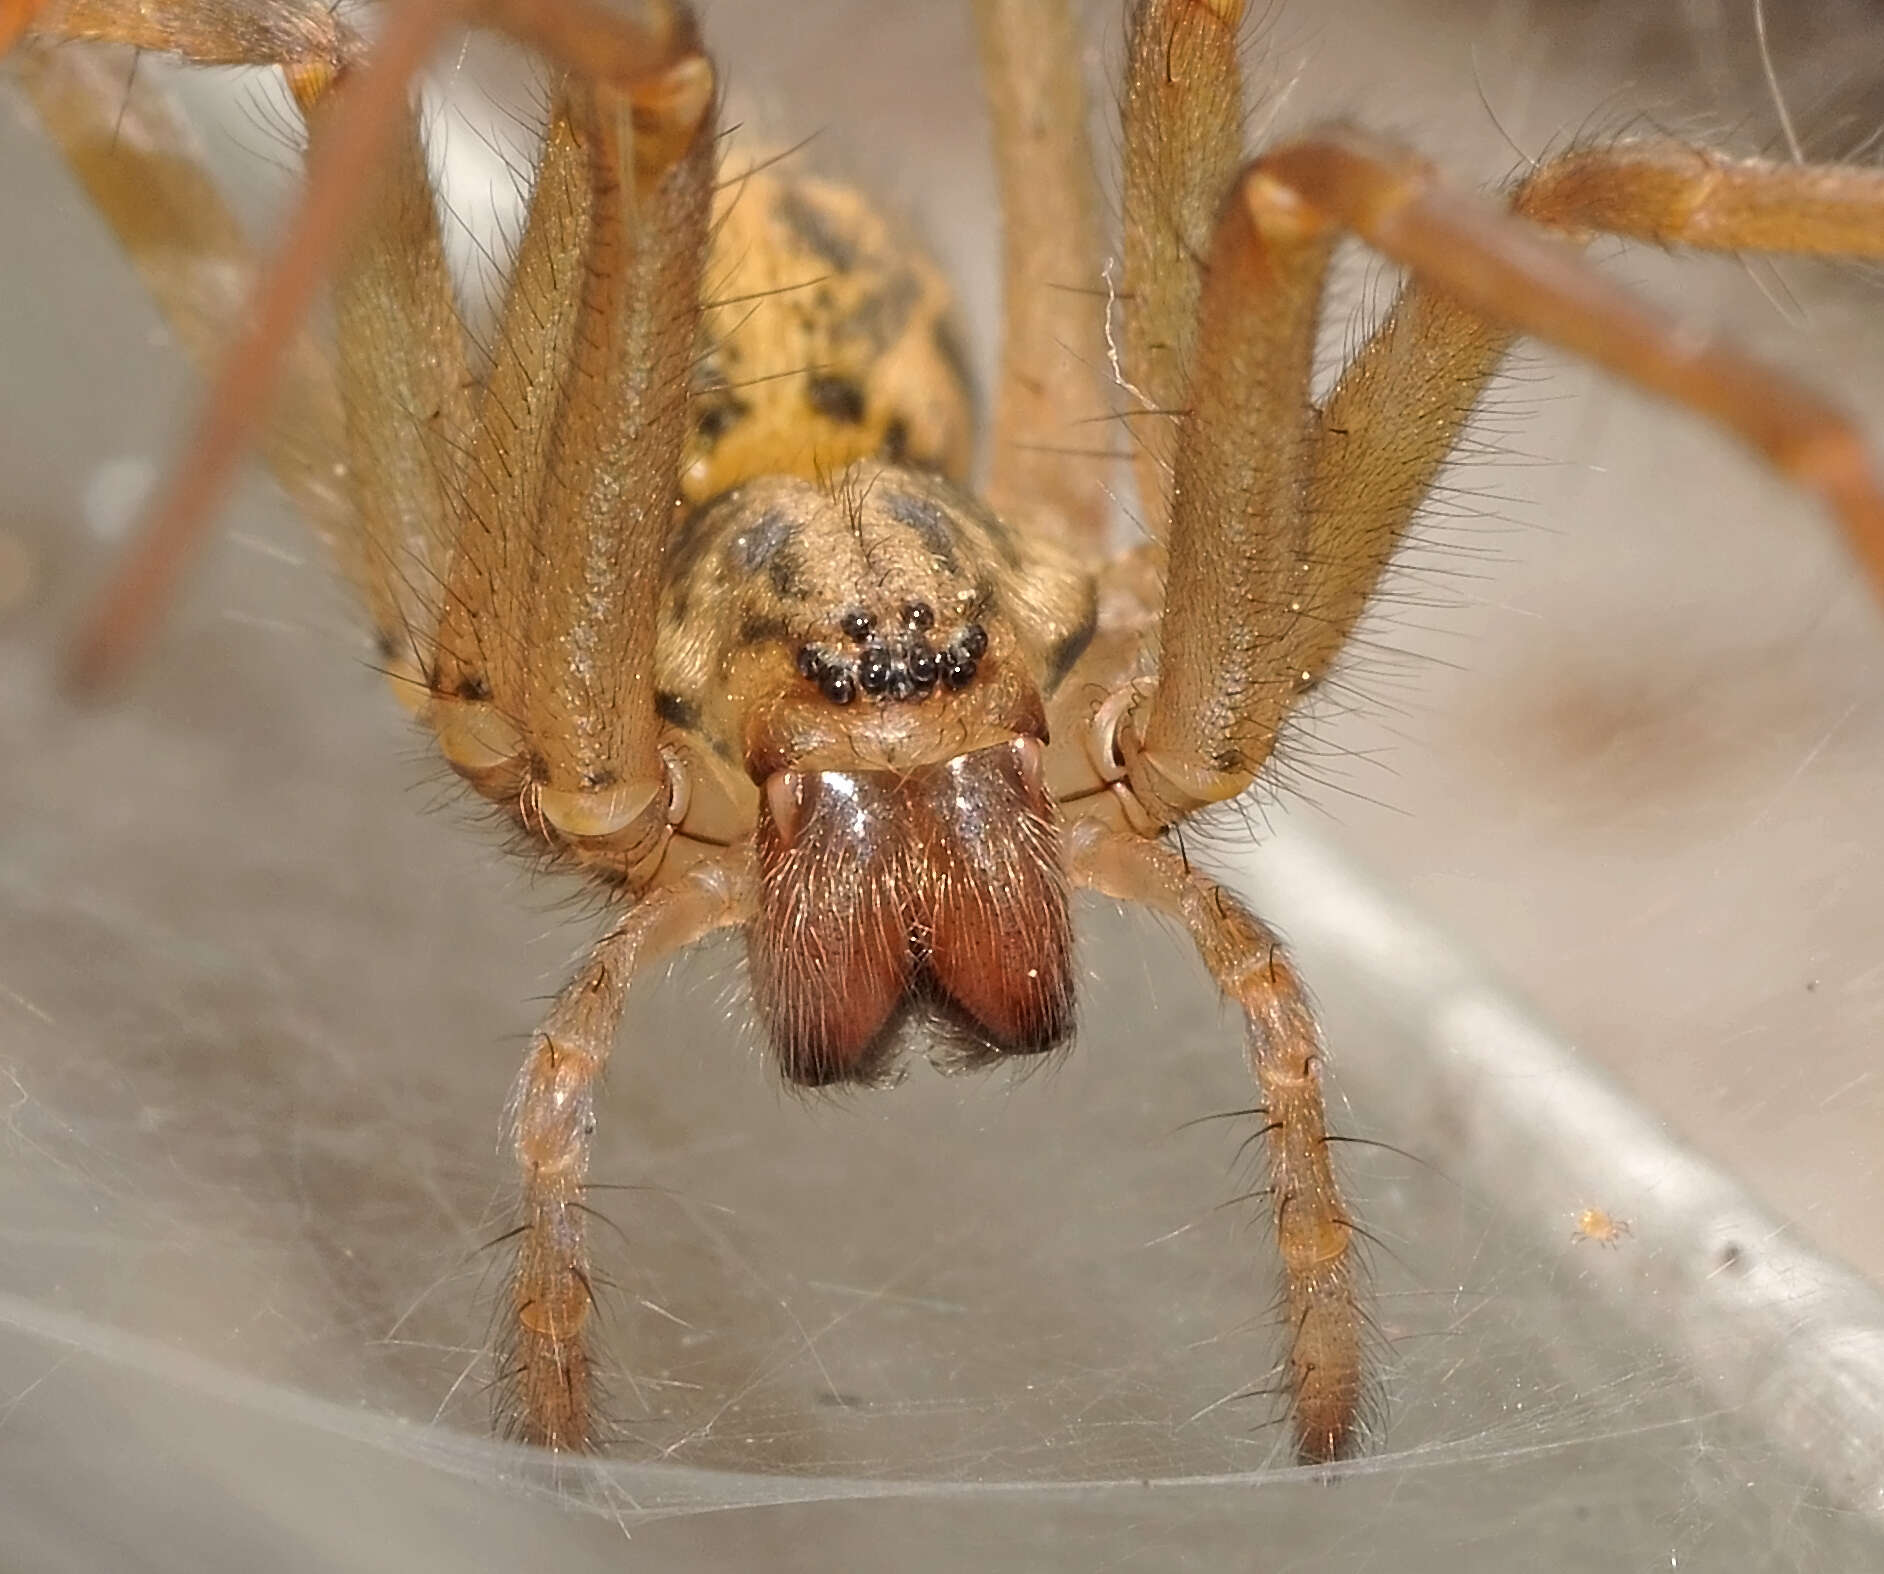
258,1018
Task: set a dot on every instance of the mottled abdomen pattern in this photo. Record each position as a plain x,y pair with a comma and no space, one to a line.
826,337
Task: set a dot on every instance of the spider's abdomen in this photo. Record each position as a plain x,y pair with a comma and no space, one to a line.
825,337
939,888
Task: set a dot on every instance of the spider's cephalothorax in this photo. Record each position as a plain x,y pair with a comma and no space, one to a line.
688,580
875,653
868,646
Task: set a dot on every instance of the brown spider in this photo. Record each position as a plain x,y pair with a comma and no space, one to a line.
719,624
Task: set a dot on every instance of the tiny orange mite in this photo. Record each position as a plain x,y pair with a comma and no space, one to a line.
1605,1229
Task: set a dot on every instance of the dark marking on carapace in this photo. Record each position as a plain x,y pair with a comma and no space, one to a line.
692,537
676,711
755,628
927,519
786,570
1062,656
770,534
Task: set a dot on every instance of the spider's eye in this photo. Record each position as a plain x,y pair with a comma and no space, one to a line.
974,641
810,661
857,624
958,668
918,615
923,664
839,687
873,669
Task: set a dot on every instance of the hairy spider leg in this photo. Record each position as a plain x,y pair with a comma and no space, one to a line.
546,1382
627,51
1280,518
1343,484
1313,1230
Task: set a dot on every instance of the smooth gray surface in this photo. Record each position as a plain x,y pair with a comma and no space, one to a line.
259,1014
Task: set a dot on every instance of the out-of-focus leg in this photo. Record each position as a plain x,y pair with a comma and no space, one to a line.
1182,129
1053,332
142,167
403,378
621,47
1511,273
14,16
1264,593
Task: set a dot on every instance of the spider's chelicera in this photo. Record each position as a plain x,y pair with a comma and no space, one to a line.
690,582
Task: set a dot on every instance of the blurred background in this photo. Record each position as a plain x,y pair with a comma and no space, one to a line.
262,995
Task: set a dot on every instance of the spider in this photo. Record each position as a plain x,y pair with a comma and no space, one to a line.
698,597
1601,1227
